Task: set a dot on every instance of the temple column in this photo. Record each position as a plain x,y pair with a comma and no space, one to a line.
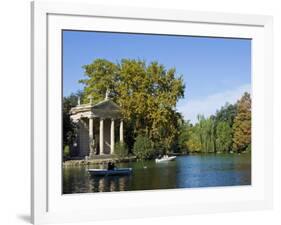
112,137
91,136
121,132
101,136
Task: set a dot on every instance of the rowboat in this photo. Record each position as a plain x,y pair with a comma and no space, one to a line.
165,158
113,172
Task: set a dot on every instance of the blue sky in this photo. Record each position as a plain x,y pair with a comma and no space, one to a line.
215,70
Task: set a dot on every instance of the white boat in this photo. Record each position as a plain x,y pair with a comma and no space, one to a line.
114,172
165,158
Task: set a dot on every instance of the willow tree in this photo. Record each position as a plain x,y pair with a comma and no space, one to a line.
242,124
194,142
223,136
206,133
147,94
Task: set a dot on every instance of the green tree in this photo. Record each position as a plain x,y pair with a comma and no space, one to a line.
184,136
194,139
223,136
69,128
143,148
121,150
226,113
101,75
242,124
66,151
206,131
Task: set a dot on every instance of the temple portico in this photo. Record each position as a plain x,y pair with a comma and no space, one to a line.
97,124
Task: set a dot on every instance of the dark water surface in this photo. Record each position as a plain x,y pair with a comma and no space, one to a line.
190,171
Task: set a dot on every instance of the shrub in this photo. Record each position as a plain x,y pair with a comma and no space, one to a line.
66,151
248,149
143,148
121,150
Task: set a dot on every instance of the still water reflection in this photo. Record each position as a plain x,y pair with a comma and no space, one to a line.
185,172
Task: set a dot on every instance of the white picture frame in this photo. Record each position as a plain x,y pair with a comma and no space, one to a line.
48,205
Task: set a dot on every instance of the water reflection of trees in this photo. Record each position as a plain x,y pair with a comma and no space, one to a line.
155,176
75,180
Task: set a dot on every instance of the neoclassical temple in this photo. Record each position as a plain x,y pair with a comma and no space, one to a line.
96,127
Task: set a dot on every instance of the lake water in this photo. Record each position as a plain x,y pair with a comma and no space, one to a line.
208,170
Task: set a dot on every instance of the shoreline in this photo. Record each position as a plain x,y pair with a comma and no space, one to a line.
98,161
115,159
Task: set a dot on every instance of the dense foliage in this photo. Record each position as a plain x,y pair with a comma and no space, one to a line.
223,136
143,148
69,128
242,125
229,130
121,150
147,94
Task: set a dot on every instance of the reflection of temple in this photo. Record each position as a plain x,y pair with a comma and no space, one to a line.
96,127
109,183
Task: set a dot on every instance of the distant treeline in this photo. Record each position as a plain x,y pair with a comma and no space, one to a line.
229,130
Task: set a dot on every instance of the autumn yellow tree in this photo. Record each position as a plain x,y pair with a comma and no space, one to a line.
242,125
147,94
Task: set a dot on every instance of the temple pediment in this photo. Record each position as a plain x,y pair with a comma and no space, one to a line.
106,105
104,109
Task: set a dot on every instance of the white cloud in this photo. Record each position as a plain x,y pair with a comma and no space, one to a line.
209,105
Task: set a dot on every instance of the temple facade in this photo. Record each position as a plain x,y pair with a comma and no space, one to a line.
96,124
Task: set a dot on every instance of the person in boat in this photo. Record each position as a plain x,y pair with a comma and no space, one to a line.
110,166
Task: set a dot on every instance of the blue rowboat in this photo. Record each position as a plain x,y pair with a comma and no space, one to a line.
113,172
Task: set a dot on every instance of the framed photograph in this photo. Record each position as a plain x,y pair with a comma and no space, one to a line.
140,112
